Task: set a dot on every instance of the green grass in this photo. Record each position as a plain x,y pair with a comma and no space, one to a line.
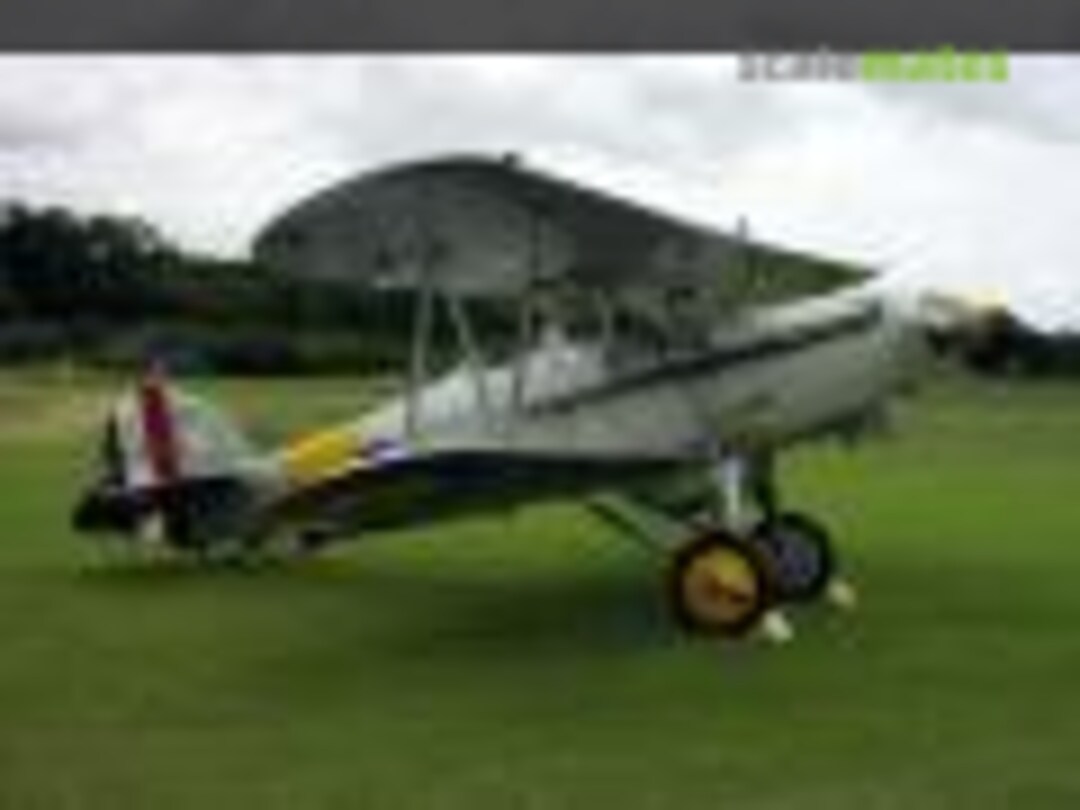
526,662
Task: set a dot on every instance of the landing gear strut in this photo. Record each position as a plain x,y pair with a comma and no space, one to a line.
804,564
699,588
735,573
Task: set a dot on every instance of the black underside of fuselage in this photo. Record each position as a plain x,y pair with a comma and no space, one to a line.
418,490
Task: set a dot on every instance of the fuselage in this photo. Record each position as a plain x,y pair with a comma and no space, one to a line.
762,378
571,418
564,418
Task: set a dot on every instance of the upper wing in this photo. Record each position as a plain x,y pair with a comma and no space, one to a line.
494,227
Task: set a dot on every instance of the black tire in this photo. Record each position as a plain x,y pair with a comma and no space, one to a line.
800,555
718,608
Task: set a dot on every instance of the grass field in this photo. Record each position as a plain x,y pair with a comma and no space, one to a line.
526,662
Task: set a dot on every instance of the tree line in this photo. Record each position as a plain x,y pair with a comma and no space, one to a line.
111,291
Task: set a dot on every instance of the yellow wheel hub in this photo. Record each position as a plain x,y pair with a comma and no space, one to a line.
721,586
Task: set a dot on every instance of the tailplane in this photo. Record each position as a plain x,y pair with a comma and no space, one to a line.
171,464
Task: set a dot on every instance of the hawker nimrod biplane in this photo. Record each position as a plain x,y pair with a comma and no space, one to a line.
654,370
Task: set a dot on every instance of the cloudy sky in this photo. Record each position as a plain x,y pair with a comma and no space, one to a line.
973,188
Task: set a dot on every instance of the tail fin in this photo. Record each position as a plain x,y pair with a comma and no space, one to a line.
167,454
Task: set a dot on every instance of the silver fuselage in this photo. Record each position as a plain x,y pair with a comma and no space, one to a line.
760,379
564,418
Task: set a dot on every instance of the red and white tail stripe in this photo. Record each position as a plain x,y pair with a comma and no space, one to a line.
159,429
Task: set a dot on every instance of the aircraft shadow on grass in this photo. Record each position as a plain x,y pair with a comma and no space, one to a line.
394,606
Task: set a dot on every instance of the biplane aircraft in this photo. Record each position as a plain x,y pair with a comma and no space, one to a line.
655,370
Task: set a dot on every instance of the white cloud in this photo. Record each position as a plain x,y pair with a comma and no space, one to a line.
972,187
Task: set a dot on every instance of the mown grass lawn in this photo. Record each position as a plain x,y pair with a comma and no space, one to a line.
526,661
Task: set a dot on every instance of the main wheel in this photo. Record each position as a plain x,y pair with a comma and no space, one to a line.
800,555
719,585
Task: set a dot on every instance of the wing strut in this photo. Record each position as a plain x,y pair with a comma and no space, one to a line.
430,294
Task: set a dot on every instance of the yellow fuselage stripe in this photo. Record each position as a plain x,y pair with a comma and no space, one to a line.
321,455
